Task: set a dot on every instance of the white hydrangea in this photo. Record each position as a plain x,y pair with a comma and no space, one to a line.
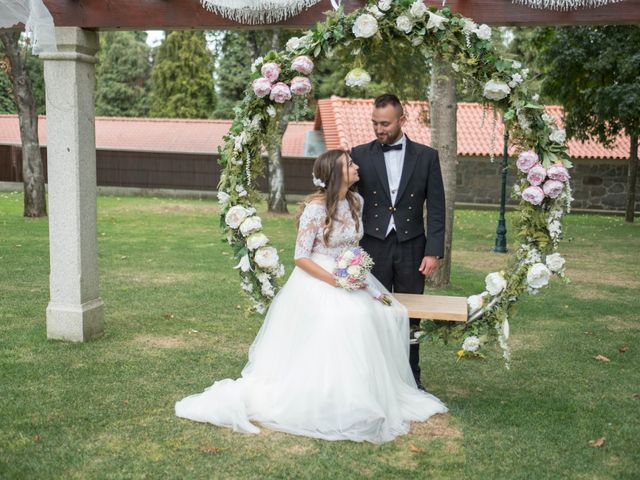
558,135
256,63
240,189
357,78
223,197
271,111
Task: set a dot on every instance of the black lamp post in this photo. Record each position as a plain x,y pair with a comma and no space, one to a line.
501,230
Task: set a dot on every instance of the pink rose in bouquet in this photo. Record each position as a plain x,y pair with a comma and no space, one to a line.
526,160
536,174
533,195
302,64
261,87
300,86
280,93
558,172
271,71
552,188
352,267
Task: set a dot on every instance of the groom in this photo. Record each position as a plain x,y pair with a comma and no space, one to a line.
397,176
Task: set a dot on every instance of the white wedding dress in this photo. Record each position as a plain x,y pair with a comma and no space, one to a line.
327,363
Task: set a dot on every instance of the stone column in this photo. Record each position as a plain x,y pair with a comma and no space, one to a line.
75,311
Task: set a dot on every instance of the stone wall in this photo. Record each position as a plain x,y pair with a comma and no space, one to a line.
597,184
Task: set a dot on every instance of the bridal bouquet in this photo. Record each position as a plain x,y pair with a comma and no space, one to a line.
352,267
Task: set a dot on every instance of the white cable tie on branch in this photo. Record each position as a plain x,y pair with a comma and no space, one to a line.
258,11
564,4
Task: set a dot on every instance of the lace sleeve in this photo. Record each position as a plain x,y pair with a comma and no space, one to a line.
310,224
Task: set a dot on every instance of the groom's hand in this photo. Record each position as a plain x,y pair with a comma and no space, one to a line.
428,266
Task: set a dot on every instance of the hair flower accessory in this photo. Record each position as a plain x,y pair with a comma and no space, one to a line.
317,182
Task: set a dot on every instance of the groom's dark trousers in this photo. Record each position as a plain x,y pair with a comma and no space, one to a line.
398,254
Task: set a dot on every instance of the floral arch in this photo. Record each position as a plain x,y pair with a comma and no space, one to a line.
543,162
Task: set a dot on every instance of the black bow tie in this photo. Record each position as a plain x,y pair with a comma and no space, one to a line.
386,148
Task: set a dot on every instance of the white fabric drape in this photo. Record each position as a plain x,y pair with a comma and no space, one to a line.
37,20
564,4
257,11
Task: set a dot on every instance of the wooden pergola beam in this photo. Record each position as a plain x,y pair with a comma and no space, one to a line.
178,14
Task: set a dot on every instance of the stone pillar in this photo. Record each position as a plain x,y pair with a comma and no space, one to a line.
75,311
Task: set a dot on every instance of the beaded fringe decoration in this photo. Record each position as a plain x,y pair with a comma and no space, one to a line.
564,4
257,11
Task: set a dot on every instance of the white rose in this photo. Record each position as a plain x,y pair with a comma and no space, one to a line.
471,344
554,262
558,136
293,44
250,224
476,302
244,264
365,26
357,78
495,283
496,90
417,41
256,240
404,24
436,22
375,11
266,257
235,216
384,5
418,9
223,197
354,270
483,32
538,275
468,26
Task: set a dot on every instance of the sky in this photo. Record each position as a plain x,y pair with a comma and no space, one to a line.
154,37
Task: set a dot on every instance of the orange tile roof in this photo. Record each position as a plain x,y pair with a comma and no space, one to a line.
158,135
346,122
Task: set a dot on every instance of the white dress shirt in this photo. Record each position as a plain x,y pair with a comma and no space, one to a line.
394,161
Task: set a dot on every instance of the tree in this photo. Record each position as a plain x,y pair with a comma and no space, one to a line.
182,77
32,166
35,70
122,75
594,72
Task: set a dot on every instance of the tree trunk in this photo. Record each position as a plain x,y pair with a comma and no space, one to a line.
32,167
277,200
631,179
443,114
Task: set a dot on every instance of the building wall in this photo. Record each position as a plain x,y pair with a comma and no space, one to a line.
597,184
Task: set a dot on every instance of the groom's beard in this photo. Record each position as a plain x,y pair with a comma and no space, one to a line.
390,137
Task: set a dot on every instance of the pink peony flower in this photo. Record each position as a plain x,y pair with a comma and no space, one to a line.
552,188
558,172
533,195
261,87
356,260
536,174
280,93
302,64
526,160
271,71
300,86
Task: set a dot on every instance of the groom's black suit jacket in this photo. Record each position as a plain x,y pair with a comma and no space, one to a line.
421,181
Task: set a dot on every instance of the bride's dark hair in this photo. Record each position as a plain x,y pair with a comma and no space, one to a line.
328,169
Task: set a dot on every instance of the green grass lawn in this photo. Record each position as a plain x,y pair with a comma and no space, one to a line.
176,321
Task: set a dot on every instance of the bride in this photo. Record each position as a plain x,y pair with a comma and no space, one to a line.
327,362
